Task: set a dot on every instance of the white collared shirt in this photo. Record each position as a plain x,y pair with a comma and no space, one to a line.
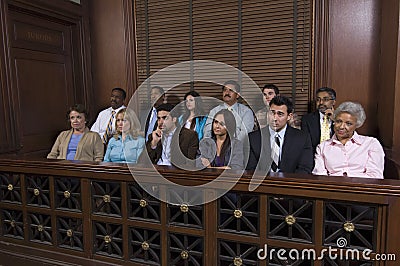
243,116
166,149
100,126
281,135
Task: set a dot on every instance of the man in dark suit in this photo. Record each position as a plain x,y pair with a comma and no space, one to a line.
162,145
313,123
148,119
280,147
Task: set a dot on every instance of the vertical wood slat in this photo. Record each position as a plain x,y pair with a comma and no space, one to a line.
236,33
86,217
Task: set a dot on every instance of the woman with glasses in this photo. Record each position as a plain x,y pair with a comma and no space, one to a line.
347,153
223,150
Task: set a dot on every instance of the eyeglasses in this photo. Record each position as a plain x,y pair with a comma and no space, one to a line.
324,99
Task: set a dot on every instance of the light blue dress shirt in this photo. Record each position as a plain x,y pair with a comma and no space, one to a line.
127,151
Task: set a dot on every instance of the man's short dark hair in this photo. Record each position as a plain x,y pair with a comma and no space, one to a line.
159,88
282,100
173,112
122,91
330,91
234,83
271,87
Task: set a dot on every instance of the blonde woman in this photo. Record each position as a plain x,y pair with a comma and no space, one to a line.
127,144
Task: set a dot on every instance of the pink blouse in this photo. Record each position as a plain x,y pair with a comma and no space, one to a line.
361,156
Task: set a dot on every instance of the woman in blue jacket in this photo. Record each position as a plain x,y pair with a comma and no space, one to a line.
127,144
194,117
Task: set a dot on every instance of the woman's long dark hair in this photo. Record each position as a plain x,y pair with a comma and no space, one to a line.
230,124
198,108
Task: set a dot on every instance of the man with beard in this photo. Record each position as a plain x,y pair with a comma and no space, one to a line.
319,124
279,147
243,114
105,122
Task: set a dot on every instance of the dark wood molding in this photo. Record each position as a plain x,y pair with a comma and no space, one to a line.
39,34
321,46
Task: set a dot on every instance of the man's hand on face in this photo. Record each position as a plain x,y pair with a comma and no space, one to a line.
329,112
156,137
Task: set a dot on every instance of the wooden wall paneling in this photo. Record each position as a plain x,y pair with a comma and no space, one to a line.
320,55
354,46
81,56
389,86
43,83
8,140
49,67
107,32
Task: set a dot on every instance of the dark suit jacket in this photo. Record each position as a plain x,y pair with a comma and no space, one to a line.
310,123
145,119
184,138
297,155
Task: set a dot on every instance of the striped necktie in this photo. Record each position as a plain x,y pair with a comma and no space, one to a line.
275,153
325,129
108,133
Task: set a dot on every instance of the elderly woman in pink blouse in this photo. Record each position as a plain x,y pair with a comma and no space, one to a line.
348,153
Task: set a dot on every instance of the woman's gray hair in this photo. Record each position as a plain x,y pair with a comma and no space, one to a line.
354,109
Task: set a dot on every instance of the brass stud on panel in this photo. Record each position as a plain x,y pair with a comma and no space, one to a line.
290,219
10,187
67,194
349,227
184,254
237,261
143,203
36,192
184,208
13,223
107,198
238,214
40,228
145,246
70,232
107,239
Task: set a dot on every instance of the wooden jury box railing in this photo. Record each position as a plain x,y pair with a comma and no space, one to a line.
60,212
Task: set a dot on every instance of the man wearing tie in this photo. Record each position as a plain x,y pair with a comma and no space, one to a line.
105,122
318,124
149,117
282,148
